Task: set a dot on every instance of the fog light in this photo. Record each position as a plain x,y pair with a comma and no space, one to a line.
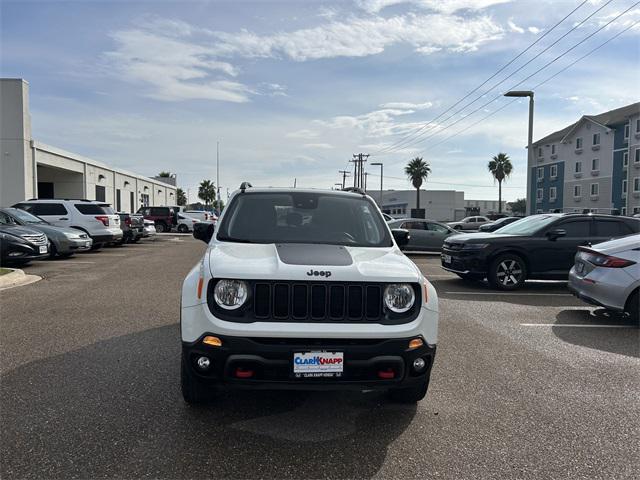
419,364
203,363
415,343
212,341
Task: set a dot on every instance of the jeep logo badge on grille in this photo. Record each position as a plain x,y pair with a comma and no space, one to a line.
316,273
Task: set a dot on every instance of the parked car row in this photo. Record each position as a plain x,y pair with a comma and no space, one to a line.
39,228
166,219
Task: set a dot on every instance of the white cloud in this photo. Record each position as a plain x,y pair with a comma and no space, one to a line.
407,105
514,28
174,66
318,145
359,37
534,30
446,6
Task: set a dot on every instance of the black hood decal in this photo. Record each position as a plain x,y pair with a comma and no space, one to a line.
311,254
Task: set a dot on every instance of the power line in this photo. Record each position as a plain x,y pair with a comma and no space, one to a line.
576,26
530,76
534,87
547,32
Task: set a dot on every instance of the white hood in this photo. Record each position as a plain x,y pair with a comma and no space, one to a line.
262,261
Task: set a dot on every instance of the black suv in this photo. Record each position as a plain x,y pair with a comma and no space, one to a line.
537,247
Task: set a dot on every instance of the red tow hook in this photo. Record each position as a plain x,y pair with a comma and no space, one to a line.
387,374
243,373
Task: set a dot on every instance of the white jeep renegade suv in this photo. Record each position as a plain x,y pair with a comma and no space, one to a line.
306,289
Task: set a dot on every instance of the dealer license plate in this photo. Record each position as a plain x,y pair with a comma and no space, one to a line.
318,364
43,249
446,258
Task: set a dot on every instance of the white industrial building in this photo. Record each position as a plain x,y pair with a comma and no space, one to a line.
441,205
31,169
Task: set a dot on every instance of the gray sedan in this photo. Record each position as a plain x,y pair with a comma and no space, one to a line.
426,235
64,241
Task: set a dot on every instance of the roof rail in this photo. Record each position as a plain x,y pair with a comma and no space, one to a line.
354,190
244,186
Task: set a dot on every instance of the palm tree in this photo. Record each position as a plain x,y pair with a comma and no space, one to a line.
207,192
181,197
500,167
417,171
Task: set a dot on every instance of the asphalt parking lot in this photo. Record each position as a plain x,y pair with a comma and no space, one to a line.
533,384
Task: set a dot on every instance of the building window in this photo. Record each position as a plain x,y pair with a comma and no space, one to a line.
577,191
595,165
540,176
101,193
578,167
554,171
626,131
623,210
596,139
636,184
636,210
595,189
638,125
553,149
624,187
539,211
539,194
637,156
539,151
552,194
578,143
625,159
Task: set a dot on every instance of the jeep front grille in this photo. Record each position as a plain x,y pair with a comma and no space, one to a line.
341,302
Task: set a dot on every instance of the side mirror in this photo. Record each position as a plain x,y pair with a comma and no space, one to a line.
401,236
556,233
203,231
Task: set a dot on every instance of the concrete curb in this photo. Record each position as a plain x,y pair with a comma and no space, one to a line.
16,278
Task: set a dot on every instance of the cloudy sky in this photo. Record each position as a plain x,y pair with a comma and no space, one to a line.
292,89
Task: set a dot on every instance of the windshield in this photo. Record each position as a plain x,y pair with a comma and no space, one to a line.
6,219
25,217
527,226
319,218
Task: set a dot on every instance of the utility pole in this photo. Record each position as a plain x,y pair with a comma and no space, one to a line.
378,164
218,173
345,174
366,175
358,169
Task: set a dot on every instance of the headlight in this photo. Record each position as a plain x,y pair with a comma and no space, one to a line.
399,297
230,294
474,246
72,235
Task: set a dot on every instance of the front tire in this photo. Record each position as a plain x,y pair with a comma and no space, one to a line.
507,272
194,391
161,227
409,394
183,228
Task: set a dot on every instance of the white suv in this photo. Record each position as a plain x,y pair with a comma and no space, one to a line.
306,289
96,219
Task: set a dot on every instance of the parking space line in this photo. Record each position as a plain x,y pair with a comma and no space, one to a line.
71,262
513,294
575,325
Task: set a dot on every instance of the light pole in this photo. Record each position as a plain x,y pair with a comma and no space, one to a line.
527,93
381,175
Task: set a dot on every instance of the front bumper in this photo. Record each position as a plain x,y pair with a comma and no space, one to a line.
271,362
467,263
70,245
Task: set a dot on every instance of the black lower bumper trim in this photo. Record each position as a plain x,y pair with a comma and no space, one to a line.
367,363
